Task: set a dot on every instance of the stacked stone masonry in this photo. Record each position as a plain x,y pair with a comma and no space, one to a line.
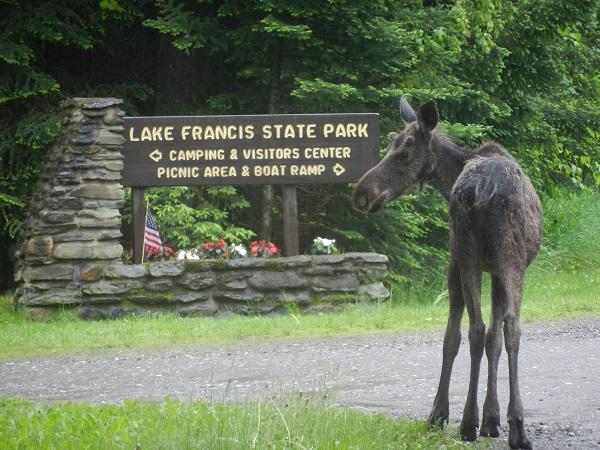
71,250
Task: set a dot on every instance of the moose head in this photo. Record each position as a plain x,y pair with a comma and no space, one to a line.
409,159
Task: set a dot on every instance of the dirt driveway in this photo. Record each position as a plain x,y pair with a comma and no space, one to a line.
395,374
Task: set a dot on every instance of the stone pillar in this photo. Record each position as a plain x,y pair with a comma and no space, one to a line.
74,218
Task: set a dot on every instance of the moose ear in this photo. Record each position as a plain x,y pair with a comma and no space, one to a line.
406,111
392,136
427,116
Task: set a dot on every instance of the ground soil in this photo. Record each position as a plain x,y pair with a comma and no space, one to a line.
395,374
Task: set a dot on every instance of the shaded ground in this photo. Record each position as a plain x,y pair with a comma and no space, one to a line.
394,374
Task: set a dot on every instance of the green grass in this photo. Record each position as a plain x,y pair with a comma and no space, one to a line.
298,423
548,295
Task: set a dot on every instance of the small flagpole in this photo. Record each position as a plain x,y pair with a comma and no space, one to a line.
145,222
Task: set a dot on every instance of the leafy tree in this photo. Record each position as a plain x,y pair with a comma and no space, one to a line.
522,72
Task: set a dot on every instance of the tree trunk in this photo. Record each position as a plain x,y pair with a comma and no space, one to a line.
273,108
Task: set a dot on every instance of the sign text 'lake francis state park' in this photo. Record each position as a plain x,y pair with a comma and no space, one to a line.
253,149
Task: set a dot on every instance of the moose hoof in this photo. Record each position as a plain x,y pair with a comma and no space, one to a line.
516,434
490,426
468,431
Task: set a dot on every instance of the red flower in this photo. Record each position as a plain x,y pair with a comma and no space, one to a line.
273,250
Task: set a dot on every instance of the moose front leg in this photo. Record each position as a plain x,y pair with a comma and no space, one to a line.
440,411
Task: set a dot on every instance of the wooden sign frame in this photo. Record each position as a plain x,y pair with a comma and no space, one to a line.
287,149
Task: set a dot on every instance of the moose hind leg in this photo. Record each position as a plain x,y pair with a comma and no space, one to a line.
471,284
517,437
490,425
440,411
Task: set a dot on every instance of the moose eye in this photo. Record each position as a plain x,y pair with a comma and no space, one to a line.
402,154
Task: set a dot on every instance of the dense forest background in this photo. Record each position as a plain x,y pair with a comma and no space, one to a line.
524,72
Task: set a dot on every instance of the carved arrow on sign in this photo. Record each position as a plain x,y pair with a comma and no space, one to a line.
156,155
338,169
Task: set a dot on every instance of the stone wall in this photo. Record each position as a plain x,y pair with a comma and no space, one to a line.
71,249
74,218
245,286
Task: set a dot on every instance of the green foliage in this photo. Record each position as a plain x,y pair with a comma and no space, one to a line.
189,216
523,73
571,224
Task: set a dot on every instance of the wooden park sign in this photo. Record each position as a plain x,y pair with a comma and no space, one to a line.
261,149
286,149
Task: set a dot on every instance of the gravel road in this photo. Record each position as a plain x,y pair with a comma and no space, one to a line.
395,374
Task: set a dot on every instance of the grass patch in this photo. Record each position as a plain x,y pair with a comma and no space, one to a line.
300,423
548,295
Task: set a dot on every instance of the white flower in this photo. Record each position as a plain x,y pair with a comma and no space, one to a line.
186,254
240,250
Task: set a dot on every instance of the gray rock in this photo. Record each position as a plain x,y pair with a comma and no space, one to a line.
91,272
66,177
106,137
113,117
369,257
76,250
104,204
374,291
246,263
52,229
166,269
199,308
40,246
328,259
239,296
101,299
151,298
235,284
346,282
292,261
91,103
106,287
107,154
90,222
112,191
63,203
100,174
274,280
53,297
300,297
194,296
81,163
161,284
82,139
57,217
323,269
120,270
197,281
50,272
88,235
116,166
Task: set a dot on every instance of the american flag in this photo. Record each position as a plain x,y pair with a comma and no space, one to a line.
151,235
